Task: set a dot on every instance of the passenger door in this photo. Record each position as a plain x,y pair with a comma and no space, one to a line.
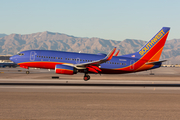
32,55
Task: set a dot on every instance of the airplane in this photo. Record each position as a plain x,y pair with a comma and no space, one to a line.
70,63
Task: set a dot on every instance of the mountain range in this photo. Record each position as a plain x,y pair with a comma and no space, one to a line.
2,35
13,43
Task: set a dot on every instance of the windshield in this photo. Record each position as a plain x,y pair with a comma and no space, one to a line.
20,54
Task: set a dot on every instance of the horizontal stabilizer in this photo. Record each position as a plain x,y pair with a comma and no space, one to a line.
155,62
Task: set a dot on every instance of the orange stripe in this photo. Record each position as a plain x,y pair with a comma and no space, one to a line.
144,66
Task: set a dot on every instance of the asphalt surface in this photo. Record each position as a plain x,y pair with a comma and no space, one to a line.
131,96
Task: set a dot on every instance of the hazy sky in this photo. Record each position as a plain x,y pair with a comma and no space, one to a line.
107,19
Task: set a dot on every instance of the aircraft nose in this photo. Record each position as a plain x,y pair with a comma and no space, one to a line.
12,58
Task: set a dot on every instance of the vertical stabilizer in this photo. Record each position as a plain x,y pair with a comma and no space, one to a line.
153,49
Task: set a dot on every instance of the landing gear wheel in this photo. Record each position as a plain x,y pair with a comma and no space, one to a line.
86,77
27,72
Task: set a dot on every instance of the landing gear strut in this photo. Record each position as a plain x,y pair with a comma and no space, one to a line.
86,77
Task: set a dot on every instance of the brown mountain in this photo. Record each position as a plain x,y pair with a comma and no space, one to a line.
11,44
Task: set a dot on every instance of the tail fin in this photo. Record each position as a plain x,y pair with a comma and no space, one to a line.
153,49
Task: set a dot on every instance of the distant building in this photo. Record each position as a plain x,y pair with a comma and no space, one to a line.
5,59
5,62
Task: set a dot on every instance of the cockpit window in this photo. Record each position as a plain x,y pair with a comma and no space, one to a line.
20,54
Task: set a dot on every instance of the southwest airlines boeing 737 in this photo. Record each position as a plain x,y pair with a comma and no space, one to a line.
70,63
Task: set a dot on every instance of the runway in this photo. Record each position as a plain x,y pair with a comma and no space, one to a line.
98,86
165,80
132,97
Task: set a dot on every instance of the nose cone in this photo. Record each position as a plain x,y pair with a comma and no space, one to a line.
12,58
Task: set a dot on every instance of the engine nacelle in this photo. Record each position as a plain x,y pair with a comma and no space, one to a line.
65,69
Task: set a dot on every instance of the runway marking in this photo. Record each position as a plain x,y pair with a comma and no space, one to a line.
90,84
98,88
91,81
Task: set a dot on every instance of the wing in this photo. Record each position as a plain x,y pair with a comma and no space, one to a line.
97,62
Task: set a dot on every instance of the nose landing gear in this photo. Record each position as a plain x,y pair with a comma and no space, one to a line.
27,72
86,77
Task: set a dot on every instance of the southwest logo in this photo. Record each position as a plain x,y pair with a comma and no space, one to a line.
151,43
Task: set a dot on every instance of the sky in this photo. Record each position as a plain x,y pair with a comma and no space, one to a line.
106,19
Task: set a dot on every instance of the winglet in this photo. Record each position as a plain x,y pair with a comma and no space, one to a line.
110,55
117,52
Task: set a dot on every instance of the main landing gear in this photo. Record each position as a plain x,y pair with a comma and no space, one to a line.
86,77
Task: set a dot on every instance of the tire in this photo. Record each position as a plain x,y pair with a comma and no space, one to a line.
86,77
27,72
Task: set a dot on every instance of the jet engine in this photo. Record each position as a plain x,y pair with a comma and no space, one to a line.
65,69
